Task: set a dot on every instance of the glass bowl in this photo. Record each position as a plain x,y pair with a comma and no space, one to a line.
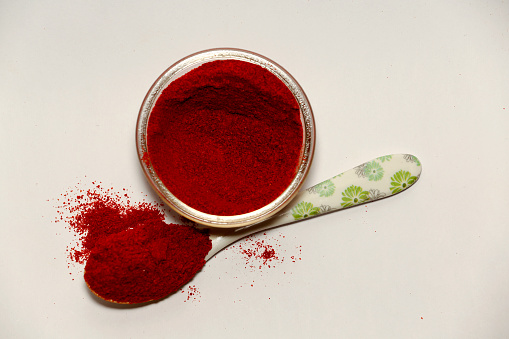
185,65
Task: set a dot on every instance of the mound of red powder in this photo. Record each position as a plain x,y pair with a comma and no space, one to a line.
147,262
226,137
132,255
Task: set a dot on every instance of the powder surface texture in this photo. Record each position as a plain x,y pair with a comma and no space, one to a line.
132,255
147,262
226,137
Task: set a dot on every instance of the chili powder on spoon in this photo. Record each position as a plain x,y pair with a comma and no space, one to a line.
131,254
226,137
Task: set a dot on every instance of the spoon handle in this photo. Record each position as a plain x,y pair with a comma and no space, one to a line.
373,180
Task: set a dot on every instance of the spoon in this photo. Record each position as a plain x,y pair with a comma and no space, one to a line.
373,180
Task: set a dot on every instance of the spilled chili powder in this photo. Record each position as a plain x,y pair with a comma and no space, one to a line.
132,255
193,294
226,137
261,251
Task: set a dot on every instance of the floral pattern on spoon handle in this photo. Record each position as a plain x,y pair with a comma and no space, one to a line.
370,181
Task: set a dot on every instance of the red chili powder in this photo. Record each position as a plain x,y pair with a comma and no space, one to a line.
193,293
131,254
258,252
261,251
226,137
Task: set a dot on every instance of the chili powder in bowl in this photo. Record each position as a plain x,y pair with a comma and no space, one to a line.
226,137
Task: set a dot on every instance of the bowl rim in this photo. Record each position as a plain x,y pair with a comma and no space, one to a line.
175,71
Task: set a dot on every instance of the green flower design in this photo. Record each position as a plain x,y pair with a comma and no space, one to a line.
373,171
325,189
385,158
401,180
304,210
354,195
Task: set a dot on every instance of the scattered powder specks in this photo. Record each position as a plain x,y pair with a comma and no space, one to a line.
259,253
193,294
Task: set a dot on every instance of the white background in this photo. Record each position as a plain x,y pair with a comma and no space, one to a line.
429,78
